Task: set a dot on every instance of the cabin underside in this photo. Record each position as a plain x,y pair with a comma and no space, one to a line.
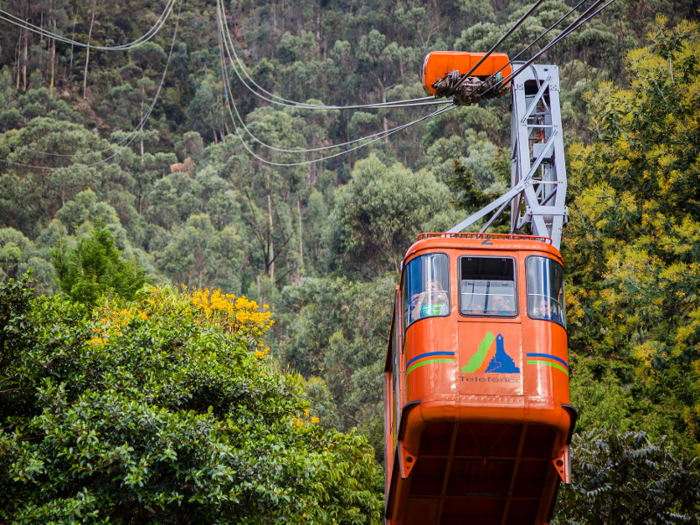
483,474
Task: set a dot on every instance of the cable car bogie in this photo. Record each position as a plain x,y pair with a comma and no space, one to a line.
439,63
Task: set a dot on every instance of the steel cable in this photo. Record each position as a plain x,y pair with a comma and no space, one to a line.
497,44
302,105
146,116
570,29
312,161
555,24
229,95
35,29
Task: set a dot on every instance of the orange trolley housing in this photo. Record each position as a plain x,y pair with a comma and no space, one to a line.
438,63
478,419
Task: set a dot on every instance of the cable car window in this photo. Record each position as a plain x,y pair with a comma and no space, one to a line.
545,290
426,288
487,286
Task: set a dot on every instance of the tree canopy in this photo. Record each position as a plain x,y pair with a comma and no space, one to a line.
626,478
633,245
158,410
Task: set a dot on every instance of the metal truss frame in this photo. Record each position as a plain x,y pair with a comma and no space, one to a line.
538,170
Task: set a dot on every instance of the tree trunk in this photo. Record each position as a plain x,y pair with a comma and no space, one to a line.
318,30
212,125
386,127
272,246
143,96
301,243
19,58
224,131
75,21
87,59
228,131
53,57
26,53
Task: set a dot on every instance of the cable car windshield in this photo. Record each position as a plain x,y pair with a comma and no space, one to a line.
426,288
545,290
487,286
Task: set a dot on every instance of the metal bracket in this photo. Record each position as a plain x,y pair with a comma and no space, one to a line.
562,464
537,157
406,461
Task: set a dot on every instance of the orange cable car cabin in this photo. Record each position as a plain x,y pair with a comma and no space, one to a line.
478,419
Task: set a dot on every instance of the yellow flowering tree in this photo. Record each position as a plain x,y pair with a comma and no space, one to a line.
165,409
633,244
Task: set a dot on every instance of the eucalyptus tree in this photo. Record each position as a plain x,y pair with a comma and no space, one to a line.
379,214
200,256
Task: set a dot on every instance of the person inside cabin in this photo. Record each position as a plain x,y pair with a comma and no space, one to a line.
544,310
415,307
499,306
429,303
477,310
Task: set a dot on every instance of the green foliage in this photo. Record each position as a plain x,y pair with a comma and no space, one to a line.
470,196
322,404
626,478
632,246
85,211
380,212
18,255
14,314
600,395
95,267
335,329
13,248
199,256
157,410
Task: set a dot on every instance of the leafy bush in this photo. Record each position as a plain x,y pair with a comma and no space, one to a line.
163,410
625,478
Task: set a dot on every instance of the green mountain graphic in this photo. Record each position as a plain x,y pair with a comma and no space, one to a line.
477,359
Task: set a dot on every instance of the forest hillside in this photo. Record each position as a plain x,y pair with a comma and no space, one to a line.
127,185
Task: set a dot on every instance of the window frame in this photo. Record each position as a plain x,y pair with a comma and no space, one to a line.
404,295
396,367
515,286
563,284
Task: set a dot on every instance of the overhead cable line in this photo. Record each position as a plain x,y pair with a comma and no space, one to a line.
312,161
143,121
229,95
497,44
555,24
12,19
276,99
570,29
398,104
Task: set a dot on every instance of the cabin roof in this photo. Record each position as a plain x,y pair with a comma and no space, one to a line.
483,241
